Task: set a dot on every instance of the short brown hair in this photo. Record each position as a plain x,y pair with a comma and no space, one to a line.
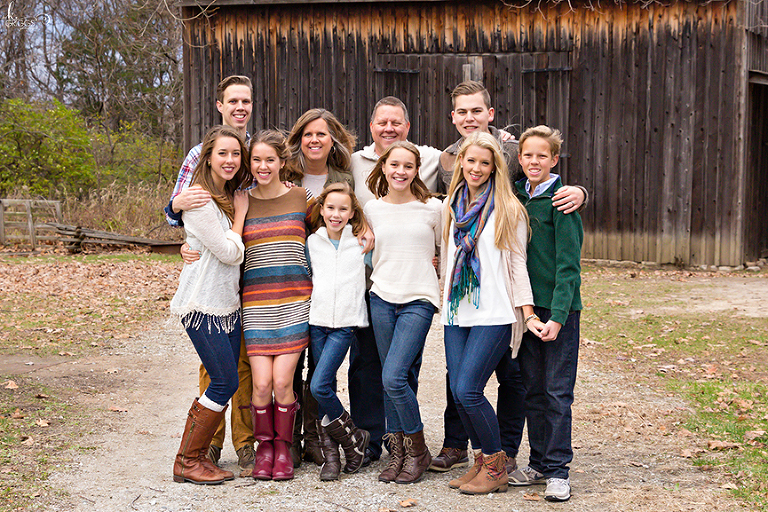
471,87
377,181
390,101
232,80
553,137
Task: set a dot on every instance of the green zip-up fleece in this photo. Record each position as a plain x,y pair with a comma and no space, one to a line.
554,253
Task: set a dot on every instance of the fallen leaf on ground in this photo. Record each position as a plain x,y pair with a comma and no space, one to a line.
729,485
112,370
408,502
67,354
27,441
114,408
751,435
636,464
532,497
17,414
11,385
722,445
41,423
41,395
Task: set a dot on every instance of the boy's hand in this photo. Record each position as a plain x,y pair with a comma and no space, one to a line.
188,255
550,331
568,199
191,198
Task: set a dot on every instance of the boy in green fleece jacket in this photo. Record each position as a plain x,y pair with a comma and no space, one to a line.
549,352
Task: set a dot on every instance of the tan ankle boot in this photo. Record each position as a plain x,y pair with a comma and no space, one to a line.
491,478
469,475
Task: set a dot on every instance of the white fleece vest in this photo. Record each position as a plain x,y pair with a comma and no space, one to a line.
338,281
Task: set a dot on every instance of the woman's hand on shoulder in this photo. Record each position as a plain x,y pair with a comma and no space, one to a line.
241,203
367,240
568,199
189,255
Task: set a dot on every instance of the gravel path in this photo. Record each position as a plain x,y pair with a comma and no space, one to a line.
627,444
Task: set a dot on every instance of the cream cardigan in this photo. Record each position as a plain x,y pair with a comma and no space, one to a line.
209,288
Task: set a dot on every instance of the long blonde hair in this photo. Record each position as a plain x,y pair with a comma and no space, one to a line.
509,210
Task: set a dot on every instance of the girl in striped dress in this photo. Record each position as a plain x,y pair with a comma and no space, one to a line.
276,294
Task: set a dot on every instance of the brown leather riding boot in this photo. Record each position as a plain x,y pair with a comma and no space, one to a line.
417,459
396,456
469,475
331,467
492,477
192,464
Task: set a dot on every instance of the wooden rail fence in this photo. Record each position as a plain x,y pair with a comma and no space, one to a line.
23,220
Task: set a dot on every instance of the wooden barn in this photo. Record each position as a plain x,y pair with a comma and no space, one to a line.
664,107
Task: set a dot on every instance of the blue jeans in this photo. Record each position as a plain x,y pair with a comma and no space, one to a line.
366,392
329,348
401,330
510,409
472,353
219,352
549,370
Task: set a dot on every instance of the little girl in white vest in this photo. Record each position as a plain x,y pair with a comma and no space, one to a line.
337,309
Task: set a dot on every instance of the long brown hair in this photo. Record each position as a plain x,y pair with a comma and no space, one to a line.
509,210
377,181
358,222
339,158
202,175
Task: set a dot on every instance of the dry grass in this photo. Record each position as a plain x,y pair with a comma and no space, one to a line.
134,209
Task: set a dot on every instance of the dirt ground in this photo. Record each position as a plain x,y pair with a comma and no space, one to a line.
627,439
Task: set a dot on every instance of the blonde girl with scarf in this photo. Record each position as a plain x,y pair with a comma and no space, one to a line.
487,296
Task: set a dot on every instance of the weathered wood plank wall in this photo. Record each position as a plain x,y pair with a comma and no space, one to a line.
652,101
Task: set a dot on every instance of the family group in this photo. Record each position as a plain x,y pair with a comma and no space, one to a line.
297,244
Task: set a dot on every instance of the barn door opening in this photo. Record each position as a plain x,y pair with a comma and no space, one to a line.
756,190
525,89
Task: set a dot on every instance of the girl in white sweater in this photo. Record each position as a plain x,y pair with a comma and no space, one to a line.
337,309
208,298
404,297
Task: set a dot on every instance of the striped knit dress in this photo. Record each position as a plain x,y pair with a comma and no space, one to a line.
276,283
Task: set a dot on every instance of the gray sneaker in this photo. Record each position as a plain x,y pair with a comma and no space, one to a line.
526,476
558,489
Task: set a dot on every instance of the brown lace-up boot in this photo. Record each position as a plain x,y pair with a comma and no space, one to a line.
417,459
396,457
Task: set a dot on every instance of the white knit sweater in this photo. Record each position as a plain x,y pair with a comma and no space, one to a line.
338,281
210,285
406,237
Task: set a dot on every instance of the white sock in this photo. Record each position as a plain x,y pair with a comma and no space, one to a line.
210,404
325,421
